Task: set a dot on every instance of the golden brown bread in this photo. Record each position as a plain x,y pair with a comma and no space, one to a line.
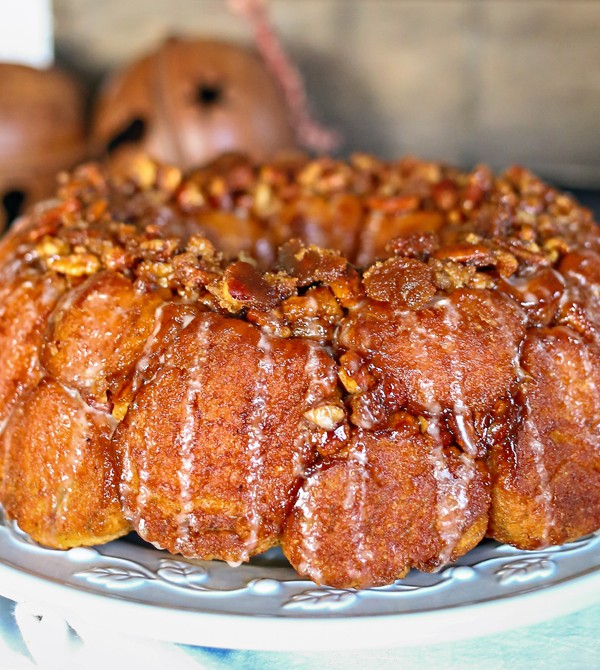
215,477
26,300
97,361
394,499
427,376
547,475
59,476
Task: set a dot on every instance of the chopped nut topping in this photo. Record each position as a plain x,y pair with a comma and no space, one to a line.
349,384
74,265
327,417
225,236
403,282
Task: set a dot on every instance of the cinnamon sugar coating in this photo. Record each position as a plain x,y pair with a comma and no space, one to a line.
233,437
60,481
372,364
546,475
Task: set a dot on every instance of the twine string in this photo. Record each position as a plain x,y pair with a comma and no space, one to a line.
309,132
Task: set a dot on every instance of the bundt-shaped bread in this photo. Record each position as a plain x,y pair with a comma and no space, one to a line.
372,364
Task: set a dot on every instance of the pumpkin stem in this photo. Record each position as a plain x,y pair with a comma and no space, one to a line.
309,132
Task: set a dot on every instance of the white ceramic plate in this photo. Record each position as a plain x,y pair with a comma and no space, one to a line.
128,587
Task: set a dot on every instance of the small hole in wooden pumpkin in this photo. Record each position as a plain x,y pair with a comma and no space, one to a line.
209,95
131,134
12,204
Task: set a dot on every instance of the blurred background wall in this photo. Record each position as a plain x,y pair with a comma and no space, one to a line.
499,81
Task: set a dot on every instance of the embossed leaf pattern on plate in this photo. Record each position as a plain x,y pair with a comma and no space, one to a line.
182,574
129,574
322,598
491,571
525,570
117,576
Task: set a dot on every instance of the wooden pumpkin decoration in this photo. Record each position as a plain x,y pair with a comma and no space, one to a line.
192,100
42,131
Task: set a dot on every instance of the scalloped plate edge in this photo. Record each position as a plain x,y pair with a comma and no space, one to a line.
252,632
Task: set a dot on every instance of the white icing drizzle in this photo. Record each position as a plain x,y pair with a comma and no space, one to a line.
309,527
186,319
143,494
135,513
186,439
571,392
465,429
80,426
565,298
50,293
311,303
319,385
87,376
584,292
4,422
145,359
453,489
502,321
314,393
67,301
536,448
74,393
528,299
583,280
256,439
356,494
452,492
577,385
462,415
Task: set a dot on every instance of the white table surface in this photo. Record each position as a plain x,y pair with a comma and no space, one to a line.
27,642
